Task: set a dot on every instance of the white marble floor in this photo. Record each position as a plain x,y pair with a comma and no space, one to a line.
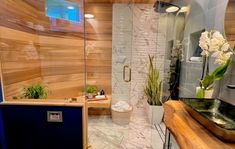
139,134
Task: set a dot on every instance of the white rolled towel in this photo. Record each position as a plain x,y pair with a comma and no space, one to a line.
100,97
121,106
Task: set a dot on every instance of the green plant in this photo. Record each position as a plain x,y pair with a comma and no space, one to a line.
91,89
213,44
35,91
208,81
217,74
152,90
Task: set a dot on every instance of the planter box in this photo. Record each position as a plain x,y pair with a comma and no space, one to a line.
154,113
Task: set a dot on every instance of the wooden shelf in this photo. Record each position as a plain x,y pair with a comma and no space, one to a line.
104,103
188,133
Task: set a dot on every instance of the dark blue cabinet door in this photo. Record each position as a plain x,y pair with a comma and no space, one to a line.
26,127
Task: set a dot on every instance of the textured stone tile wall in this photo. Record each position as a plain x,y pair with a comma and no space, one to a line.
121,51
148,39
137,32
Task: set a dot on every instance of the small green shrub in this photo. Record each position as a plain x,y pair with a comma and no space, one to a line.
91,89
36,91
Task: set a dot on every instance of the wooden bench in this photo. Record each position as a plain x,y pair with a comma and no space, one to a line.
99,107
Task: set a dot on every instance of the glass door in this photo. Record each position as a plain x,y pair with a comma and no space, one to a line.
121,52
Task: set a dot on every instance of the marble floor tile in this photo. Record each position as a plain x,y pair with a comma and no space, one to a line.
139,134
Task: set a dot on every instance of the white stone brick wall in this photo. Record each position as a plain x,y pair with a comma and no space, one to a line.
148,36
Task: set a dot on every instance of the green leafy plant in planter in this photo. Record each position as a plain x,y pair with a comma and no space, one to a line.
90,90
152,89
35,91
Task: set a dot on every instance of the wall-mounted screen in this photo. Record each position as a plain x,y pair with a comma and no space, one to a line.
62,9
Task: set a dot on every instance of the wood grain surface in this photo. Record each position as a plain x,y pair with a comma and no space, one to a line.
230,23
99,45
188,133
35,48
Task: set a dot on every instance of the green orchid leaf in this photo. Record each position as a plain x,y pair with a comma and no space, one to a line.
200,93
207,81
220,71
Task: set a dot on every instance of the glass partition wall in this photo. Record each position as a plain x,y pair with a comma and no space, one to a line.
42,43
52,44
119,40
184,62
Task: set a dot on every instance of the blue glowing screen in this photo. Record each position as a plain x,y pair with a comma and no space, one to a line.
62,9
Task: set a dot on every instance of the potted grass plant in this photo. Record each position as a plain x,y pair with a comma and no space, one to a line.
90,90
152,91
35,91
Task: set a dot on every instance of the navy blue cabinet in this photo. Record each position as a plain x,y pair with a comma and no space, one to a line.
28,127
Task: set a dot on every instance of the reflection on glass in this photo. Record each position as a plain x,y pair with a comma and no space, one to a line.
61,9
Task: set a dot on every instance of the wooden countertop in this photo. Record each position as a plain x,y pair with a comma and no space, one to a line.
46,102
106,103
188,133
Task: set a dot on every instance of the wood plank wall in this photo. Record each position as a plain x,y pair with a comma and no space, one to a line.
20,61
230,22
54,55
19,48
62,55
32,50
99,45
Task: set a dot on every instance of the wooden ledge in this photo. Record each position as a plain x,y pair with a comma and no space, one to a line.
106,103
188,133
45,102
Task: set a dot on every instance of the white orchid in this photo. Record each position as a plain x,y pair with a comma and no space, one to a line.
225,47
213,43
222,58
204,43
217,35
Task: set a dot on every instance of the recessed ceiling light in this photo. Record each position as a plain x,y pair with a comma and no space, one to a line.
89,16
184,9
172,9
70,7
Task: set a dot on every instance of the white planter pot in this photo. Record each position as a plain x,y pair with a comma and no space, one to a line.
154,113
89,95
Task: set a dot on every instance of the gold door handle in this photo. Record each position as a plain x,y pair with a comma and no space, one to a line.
124,73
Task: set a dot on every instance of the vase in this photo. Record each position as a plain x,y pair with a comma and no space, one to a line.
208,93
89,95
201,93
